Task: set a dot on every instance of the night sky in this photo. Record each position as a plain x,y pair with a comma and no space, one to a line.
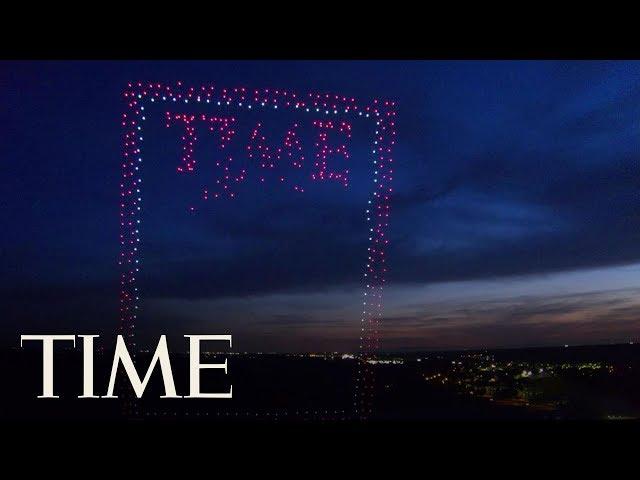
514,221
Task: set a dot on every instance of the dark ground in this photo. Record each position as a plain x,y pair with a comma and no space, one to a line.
583,383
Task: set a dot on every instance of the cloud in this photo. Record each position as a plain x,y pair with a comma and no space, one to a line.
501,169
593,317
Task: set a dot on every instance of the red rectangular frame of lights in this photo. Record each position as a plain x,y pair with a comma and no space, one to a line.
320,107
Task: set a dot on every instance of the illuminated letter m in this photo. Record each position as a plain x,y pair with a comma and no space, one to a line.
161,354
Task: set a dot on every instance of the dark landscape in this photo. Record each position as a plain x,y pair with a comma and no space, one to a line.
564,383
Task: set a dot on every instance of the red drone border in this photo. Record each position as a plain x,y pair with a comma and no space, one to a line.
321,107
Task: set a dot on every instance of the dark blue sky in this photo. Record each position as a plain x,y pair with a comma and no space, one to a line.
514,222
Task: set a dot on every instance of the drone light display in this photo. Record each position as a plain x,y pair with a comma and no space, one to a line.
331,117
